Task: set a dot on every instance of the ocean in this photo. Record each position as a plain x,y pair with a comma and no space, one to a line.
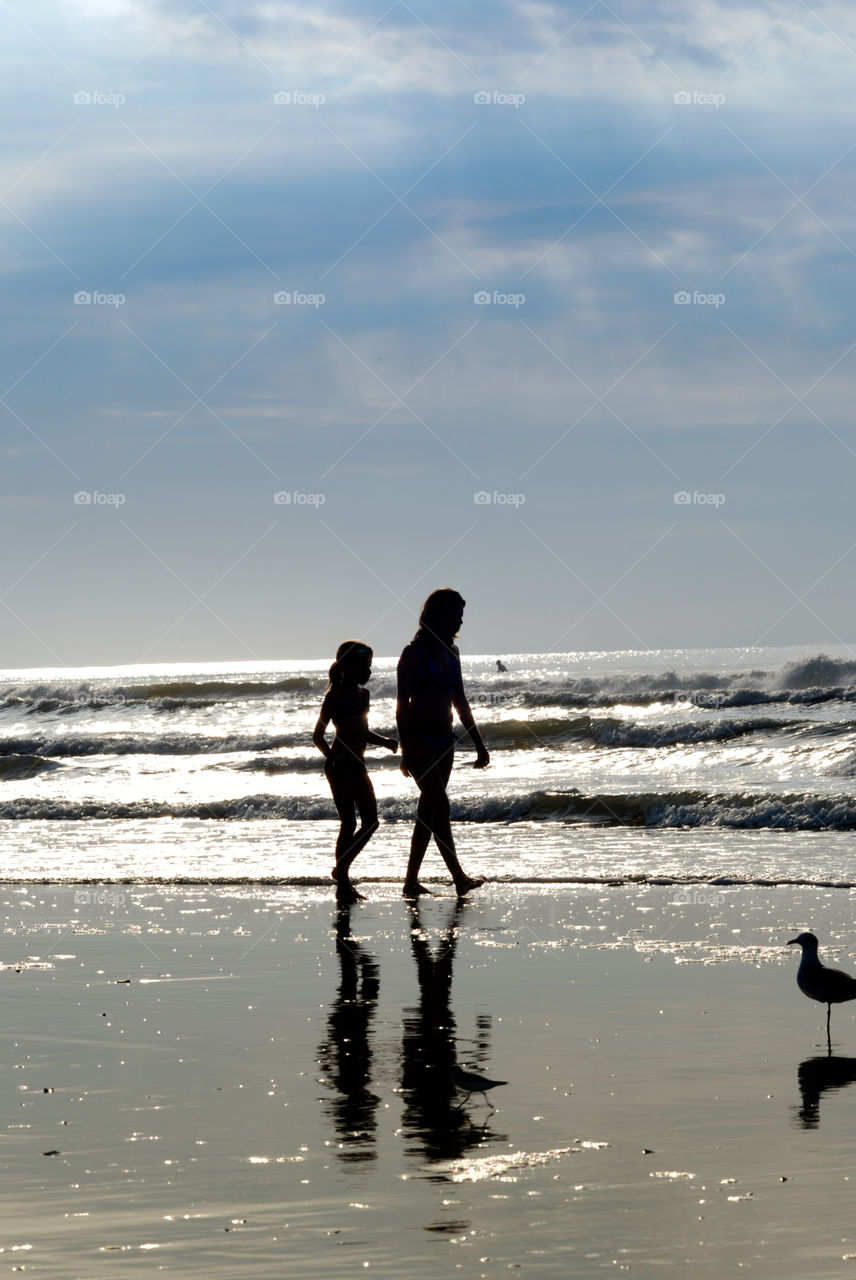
670,766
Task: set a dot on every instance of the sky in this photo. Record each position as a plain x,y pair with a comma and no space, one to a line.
311,309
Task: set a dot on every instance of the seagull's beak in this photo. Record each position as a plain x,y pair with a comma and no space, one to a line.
793,942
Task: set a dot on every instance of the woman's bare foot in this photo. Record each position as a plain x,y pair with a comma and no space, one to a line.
466,883
347,892
413,889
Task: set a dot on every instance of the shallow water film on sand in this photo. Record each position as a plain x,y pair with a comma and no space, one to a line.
248,1081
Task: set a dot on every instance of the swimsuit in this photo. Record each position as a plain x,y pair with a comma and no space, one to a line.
430,675
338,706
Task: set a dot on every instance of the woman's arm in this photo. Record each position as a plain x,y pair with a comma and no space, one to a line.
462,706
402,704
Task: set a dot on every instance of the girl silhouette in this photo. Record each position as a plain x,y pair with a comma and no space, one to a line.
346,703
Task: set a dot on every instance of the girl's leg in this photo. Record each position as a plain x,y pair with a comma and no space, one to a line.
363,797
343,798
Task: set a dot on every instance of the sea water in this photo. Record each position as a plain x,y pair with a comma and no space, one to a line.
669,765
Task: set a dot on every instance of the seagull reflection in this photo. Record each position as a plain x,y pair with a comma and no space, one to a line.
817,1076
345,1057
432,1113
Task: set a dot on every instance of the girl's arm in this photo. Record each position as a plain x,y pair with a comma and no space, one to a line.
462,706
319,736
377,740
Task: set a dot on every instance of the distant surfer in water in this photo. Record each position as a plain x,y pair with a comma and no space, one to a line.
429,686
501,668
346,703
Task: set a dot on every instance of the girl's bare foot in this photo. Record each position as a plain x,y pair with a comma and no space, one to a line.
413,889
466,883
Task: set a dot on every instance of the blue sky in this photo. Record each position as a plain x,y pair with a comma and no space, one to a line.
286,220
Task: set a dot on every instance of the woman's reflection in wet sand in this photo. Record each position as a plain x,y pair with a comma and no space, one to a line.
817,1076
432,1113
345,1056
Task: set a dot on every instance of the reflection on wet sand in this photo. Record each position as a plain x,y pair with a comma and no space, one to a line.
817,1076
433,1115
346,1055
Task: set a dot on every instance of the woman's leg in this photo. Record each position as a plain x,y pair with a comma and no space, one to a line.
423,764
433,819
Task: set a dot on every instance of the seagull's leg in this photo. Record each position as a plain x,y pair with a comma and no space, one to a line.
828,1037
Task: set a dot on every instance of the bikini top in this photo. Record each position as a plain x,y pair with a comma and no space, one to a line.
342,705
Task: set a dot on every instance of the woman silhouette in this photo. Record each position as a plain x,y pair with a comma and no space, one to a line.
429,685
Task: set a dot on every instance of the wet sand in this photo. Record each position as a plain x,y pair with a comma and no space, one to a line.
241,1081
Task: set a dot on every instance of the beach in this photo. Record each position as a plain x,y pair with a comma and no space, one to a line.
211,1071
240,1080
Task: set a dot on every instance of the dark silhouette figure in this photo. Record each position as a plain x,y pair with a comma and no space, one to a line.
433,1114
817,1076
820,981
501,668
346,1056
346,703
429,686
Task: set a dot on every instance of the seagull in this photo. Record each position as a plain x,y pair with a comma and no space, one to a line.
818,981
471,1082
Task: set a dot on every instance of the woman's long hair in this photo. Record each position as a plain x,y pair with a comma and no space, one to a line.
433,618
